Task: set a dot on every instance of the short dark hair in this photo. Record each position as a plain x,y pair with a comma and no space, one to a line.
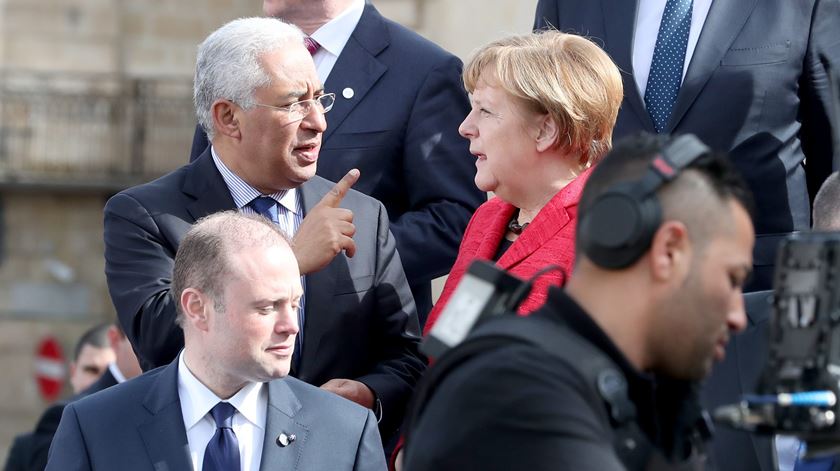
96,336
202,260
630,159
827,205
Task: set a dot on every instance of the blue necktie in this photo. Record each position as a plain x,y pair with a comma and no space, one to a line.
267,207
668,60
222,453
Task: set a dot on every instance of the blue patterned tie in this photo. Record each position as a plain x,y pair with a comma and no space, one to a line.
267,207
668,60
222,452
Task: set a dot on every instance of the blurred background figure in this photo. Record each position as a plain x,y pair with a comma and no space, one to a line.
91,358
29,451
543,109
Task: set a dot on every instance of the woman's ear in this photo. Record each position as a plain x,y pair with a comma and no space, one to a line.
548,133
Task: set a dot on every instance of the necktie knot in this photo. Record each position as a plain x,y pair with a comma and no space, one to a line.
311,45
266,206
223,414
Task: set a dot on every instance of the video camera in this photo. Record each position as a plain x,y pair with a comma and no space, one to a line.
799,388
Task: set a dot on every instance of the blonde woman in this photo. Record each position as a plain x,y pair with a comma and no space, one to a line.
543,109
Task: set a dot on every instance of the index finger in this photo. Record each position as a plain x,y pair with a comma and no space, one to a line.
336,194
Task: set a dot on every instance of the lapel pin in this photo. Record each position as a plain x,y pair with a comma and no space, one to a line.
348,93
284,440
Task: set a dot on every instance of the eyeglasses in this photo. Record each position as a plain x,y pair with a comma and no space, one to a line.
300,109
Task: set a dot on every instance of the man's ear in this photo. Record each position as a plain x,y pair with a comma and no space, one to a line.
194,305
114,337
670,251
226,118
548,133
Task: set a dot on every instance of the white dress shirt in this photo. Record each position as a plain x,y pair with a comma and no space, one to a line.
248,422
333,36
648,16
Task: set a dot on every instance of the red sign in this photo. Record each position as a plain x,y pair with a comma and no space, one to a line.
49,368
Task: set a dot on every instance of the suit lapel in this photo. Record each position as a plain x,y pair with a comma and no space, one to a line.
357,67
318,286
205,184
164,434
619,22
495,227
724,22
283,404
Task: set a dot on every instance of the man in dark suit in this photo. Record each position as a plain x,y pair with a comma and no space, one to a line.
399,101
753,84
225,402
259,98
29,451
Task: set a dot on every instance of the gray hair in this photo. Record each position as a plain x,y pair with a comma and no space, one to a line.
228,63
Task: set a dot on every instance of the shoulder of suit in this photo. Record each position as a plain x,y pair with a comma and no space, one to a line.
317,400
160,188
405,41
121,396
354,198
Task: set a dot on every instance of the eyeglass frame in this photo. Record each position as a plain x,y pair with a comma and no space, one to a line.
299,104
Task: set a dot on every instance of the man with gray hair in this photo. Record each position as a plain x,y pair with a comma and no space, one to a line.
259,98
225,403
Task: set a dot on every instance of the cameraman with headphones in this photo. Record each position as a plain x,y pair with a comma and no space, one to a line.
602,377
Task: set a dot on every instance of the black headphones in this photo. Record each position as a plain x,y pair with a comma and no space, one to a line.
619,225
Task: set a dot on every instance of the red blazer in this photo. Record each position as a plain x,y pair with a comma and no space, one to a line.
549,239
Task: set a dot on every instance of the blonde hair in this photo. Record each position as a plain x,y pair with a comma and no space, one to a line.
564,75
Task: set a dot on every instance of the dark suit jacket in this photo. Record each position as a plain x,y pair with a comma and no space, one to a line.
29,451
756,88
138,426
400,129
738,374
360,319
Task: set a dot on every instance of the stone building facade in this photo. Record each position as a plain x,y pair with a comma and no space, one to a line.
95,96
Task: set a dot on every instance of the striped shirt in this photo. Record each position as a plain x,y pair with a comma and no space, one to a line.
289,211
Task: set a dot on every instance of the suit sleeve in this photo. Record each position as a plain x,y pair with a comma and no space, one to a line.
68,451
369,456
547,15
819,103
439,172
138,268
400,363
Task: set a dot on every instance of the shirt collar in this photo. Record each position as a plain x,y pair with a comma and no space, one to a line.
243,193
115,372
197,399
333,35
